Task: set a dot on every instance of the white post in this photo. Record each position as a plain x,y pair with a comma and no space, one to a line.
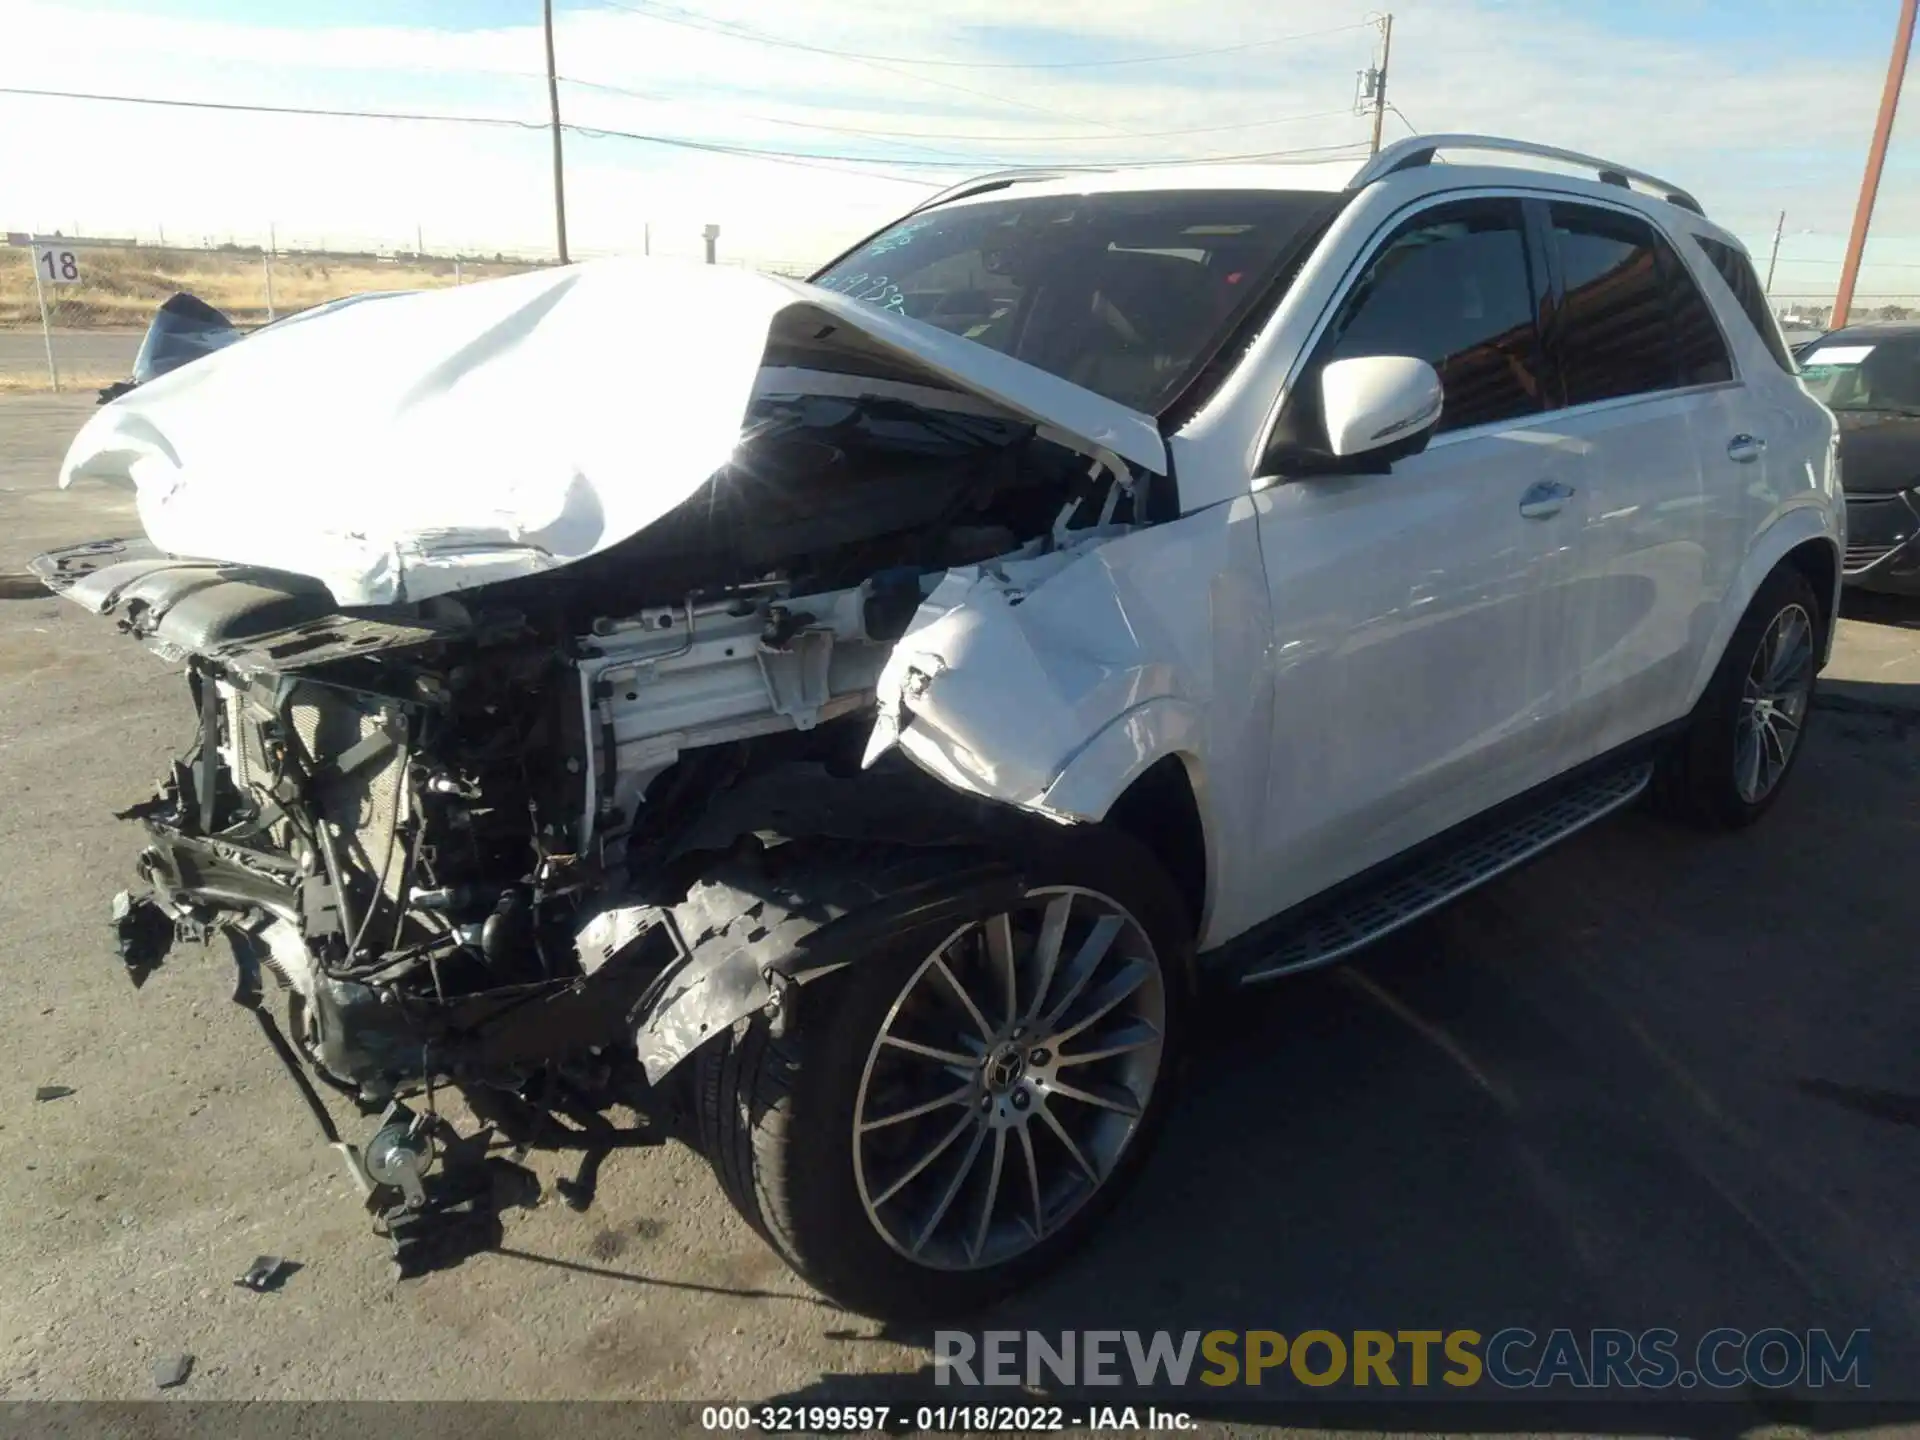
46,330
272,244
456,270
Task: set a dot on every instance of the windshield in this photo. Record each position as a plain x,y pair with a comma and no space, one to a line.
1863,373
1127,294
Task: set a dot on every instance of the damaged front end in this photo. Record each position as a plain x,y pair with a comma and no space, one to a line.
445,791
451,834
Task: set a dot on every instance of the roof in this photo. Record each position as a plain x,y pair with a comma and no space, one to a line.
1324,177
1415,153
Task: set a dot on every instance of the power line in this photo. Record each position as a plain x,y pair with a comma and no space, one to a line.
722,27
808,159
493,120
939,135
275,109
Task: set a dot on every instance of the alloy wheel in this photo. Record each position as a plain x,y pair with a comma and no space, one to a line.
1773,704
1008,1079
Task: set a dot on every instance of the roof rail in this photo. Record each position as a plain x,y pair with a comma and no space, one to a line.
1418,150
995,179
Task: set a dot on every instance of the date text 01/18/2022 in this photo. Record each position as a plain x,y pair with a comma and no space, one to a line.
935,1419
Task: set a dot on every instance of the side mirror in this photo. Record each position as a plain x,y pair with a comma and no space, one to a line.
1372,402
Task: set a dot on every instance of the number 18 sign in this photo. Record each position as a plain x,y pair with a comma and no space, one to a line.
56,264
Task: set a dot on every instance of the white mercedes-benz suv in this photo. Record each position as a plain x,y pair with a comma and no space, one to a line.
845,720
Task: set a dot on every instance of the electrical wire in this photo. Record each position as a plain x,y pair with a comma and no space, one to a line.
712,26
807,159
275,109
677,142
938,135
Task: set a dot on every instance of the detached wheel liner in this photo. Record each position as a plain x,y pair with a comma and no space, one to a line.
946,1116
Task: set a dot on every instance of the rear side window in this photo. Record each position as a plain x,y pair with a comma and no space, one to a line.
1452,287
1630,321
1737,271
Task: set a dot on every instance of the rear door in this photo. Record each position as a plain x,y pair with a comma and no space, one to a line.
1645,371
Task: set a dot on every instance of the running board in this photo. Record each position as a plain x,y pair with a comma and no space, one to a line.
1328,934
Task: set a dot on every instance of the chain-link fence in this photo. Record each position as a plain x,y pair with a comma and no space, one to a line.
72,311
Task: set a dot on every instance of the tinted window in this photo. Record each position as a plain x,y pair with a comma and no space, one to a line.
1630,319
1737,271
1452,287
1128,294
1700,350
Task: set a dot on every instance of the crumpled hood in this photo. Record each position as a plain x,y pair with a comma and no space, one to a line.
452,438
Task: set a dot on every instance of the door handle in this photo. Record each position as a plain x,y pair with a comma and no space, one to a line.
1745,448
1544,498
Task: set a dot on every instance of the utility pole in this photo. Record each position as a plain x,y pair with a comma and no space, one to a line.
1778,230
559,164
1377,80
1876,159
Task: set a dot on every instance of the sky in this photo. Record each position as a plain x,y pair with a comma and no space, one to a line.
1757,106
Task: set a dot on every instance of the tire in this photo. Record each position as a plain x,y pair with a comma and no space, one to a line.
1703,779
776,1102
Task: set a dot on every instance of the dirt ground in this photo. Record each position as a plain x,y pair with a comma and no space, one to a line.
1654,1079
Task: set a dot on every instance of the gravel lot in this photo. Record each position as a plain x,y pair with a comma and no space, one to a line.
1651,1080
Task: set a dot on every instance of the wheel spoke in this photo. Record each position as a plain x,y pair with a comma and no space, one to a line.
1791,649
1060,1134
1116,1098
994,1167
967,1162
930,1052
956,1097
999,937
1747,761
1776,752
1080,970
1046,950
953,984
1039,1226
1130,978
939,1149
1134,1035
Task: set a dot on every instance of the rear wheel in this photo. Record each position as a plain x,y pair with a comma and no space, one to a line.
943,1119
1743,740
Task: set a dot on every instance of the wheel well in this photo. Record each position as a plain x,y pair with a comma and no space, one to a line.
1815,560
1159,810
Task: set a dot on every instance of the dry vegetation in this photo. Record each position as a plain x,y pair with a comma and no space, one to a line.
120,289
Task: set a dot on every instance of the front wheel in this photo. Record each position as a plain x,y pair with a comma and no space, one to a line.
945,1117
1729,766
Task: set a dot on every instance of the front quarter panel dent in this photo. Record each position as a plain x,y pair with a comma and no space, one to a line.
996,692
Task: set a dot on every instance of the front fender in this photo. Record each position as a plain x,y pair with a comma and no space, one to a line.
1108,764
1047,696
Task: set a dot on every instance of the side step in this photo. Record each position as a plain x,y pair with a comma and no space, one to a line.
1328,932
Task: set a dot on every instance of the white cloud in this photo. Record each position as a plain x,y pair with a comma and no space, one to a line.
1745,124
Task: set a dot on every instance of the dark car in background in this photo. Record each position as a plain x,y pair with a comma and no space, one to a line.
1869,376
